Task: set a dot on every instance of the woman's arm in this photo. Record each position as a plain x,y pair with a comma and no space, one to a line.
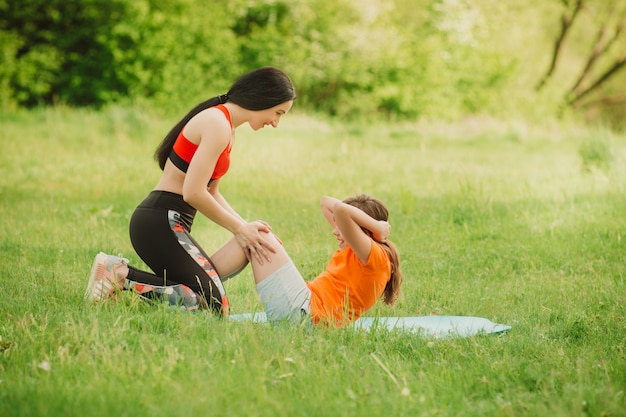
254,227
212,142
214,191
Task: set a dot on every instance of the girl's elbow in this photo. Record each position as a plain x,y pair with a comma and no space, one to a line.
340,209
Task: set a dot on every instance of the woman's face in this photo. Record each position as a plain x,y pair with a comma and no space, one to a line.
269,117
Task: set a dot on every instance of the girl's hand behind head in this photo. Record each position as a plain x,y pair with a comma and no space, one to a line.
382,232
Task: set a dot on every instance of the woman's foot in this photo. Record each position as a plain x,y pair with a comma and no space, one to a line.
103,280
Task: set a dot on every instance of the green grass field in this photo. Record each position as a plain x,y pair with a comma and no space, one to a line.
523,225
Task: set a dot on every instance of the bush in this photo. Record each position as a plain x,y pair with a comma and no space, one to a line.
393,58
92,52
596,153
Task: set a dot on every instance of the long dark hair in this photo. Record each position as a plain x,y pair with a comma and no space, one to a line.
259,89
377,210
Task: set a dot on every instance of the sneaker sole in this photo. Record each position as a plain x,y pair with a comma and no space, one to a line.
97,280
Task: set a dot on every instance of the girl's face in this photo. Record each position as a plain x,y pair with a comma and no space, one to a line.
340,239
269,117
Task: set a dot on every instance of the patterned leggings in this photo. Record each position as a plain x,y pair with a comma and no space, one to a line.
160,233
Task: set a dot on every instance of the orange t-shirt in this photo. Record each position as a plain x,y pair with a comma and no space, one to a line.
347,288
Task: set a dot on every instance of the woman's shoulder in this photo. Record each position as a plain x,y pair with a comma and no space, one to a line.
208,123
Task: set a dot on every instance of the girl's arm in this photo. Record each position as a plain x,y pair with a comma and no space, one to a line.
350,221
327,209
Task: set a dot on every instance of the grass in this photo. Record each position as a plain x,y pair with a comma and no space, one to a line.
523,225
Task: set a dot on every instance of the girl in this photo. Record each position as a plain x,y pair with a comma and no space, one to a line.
194,156
365,268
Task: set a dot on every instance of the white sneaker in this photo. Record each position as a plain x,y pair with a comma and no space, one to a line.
103,280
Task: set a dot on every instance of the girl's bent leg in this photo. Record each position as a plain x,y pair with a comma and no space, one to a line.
283,291
278,260
285,295
229,260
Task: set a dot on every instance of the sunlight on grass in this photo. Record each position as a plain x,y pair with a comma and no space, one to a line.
520,224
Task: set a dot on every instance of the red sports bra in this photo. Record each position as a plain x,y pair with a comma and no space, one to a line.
183,150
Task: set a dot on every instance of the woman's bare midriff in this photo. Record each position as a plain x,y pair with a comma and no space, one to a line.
171,180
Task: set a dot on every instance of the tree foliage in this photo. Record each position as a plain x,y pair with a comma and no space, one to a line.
350,58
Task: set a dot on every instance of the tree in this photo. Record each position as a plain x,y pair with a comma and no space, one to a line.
567,20
604,59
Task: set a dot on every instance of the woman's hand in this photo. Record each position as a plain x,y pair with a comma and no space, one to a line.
252,242
383,229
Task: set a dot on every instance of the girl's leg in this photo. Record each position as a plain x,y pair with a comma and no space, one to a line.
279,259
229,260
283,291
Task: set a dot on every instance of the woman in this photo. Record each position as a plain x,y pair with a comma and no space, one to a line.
194,156
366,267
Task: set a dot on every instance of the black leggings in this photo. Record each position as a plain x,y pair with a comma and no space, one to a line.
159,232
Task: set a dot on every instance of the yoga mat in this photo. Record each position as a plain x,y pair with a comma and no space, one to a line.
434,326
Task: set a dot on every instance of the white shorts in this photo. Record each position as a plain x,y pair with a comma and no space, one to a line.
285,295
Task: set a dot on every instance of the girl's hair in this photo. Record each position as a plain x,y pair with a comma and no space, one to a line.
259,89
377,210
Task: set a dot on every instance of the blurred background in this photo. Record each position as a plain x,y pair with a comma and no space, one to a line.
352,59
